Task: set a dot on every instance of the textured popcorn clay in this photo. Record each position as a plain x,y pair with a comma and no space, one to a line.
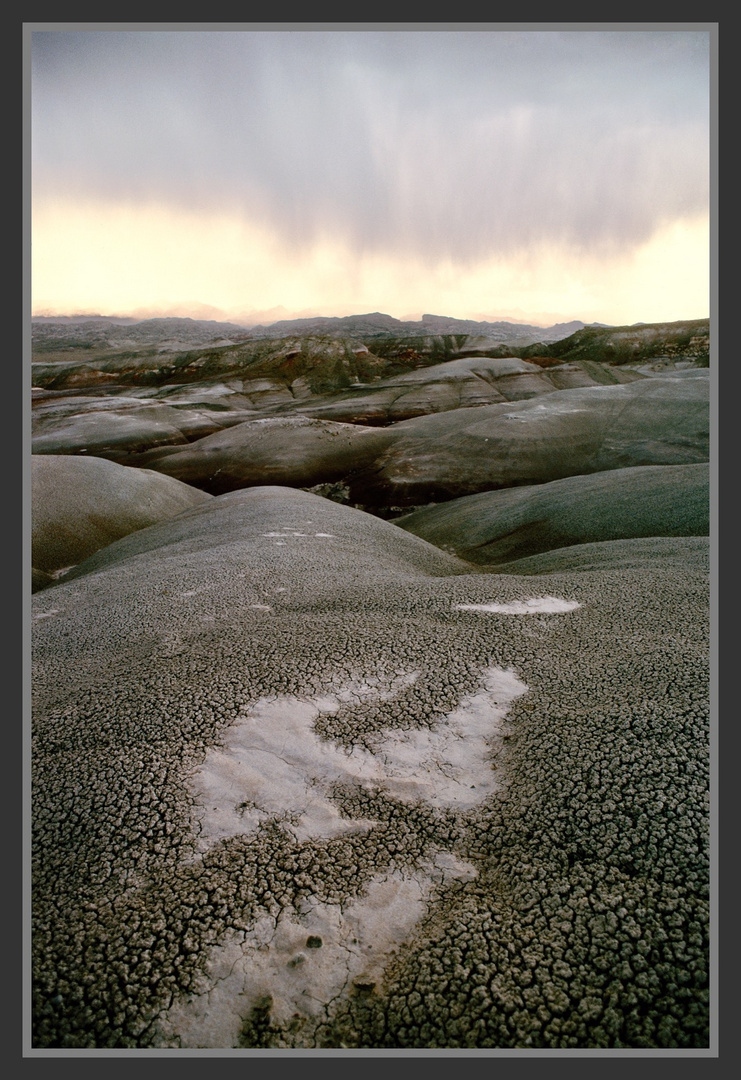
370,798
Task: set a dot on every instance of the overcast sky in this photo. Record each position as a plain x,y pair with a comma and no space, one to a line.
538,175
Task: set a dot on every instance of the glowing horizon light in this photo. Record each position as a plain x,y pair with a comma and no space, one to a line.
153,260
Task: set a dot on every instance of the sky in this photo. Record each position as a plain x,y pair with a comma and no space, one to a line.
252,175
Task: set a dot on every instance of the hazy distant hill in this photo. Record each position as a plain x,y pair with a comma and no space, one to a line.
54,333
68,333
378,325
396,345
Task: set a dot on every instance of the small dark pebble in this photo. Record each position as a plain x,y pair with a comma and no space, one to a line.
313,942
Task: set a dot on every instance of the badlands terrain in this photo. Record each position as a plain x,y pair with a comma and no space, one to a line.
370,685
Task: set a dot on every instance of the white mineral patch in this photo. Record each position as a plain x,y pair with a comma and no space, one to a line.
450,765
305,960
273,765
56,574
535,606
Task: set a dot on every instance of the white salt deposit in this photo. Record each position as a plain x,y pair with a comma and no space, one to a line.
449,765
273,765
305,960
535,606
47,614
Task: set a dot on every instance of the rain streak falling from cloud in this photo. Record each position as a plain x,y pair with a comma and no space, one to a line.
444,145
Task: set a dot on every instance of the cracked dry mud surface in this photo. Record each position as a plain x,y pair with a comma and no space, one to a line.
250,822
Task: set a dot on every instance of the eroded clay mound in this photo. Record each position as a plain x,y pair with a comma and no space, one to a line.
283,530
299,781
295,451
572,432
81,504
512,523
462,383
109,433
654,554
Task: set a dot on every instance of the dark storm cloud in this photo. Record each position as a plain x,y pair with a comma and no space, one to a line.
445,144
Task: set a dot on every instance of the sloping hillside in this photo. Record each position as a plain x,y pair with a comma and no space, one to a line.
688,339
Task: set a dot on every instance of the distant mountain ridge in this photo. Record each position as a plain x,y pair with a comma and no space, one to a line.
376,324
404,345
49,332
